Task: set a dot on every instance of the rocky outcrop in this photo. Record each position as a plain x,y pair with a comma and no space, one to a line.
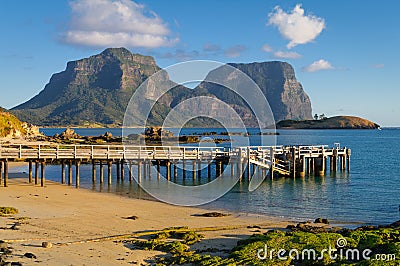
12,128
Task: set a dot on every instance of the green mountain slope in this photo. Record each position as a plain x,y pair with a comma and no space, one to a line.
96,90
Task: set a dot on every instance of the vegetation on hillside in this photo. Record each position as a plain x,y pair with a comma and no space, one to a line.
336,122
9,124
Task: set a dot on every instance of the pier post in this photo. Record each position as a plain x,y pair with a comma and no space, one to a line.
321,169
168,169
335,159
232,169
1,172
93,171
62,172
77,173
101,172
144,168
158,169
6,173
130,171
122,170
139,170
42,176
36,172
175,170
302,173
109,172
248,164
149,165
194,170
183,169
118,170
199,168
293,153
30,172
209,170
69,173
348,153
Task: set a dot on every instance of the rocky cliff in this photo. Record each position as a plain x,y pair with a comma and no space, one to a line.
12,127
96,91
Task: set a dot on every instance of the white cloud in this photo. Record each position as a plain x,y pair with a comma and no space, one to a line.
209,47
286,55
266,48
235,51
318,65
295,26
107,23
378,65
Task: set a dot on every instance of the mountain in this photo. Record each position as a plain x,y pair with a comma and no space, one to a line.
96,91
336,122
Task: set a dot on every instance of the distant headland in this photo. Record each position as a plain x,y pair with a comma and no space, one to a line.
335,122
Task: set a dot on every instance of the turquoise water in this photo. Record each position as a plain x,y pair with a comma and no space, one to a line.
369,194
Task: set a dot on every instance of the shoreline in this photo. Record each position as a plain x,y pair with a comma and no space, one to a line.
146,197
60,214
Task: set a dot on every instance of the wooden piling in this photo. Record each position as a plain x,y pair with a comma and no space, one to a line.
183,169
158,169
302,173
42,176
6,173
29,172
1,172
77,174
94,172
209,170
109,164
348,154
293,161
194,170
36,172
118,170
70,173
122,170
62,172
139,170
144,168
101,172
130,171
168,170
175,171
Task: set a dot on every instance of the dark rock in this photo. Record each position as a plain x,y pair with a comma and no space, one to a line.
47,244
132,217
325,221
16,263
30,255
212,214
318,221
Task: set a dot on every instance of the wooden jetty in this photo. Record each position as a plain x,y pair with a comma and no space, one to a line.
288,161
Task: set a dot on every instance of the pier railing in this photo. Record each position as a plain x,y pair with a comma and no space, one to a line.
286,160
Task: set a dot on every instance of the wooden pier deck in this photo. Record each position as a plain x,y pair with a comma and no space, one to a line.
291,161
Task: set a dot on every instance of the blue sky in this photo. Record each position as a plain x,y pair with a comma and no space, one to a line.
345,53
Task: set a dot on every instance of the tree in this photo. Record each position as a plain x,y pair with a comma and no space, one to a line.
316,116
322,117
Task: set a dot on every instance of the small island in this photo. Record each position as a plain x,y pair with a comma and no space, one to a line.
335,122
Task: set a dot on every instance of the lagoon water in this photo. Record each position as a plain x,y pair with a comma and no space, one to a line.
369,194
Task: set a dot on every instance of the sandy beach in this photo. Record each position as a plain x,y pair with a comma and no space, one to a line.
68,217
